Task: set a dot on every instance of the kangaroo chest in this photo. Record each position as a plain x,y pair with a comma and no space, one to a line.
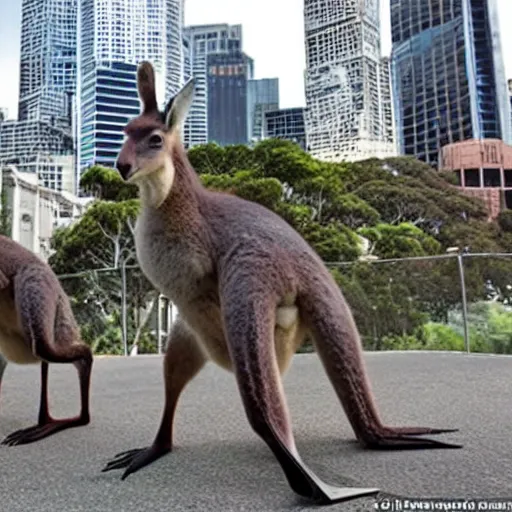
175,265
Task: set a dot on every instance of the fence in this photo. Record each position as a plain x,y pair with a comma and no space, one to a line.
459,302
454,301
118,310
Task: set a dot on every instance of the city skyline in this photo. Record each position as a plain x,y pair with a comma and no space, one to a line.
263,33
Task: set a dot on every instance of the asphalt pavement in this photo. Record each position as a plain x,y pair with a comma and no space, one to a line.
219,464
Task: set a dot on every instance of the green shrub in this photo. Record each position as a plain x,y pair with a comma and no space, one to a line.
405,342
442,337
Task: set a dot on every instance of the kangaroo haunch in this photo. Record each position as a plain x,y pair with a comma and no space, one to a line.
37,325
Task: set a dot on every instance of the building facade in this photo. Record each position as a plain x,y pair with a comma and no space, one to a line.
201,41
41,148
262,96
286,123
228,74
345,119
114,37
483,169
47,61
510,100
109,100
41,139
448,75
34,212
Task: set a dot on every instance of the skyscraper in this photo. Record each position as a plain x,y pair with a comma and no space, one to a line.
448,75
40,141
47,61
344,81
262,96
115,35
228,74
203,42
285,123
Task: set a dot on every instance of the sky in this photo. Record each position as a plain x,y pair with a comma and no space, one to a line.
273,35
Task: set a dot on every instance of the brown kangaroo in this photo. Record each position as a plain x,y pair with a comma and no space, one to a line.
37,325
248,289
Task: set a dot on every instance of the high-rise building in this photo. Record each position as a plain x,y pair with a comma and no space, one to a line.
386,102
47,61
109,99
262,96
115,35
228,74
286,123
39,148
448,75
41,141
201,41
510,100
345,84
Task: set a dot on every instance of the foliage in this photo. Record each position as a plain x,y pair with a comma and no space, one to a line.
5,215
102,240
505,220
400,206
107,184
401,241
442,337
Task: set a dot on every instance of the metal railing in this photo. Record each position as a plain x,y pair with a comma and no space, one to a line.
458,301
479,281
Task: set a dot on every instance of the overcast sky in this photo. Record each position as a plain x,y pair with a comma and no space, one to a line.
273,33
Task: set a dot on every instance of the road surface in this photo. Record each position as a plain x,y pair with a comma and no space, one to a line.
220,465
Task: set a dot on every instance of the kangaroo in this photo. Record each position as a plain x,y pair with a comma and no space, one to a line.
37,325
248,289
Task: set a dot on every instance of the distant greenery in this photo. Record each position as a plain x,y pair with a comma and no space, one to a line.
5,215
396,207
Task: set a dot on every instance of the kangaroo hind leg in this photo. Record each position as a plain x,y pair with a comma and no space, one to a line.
38,306
249,323
338,345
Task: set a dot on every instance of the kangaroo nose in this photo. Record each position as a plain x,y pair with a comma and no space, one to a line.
123,168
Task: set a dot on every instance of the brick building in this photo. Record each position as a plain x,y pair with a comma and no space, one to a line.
483,169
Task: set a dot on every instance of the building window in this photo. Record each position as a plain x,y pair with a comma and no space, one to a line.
472,177
492,177
508,178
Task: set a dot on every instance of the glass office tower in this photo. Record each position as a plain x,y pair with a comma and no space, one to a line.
448,75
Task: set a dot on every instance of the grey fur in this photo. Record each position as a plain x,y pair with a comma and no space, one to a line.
248,289
37,326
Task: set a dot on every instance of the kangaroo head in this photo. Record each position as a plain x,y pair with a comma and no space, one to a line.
146,155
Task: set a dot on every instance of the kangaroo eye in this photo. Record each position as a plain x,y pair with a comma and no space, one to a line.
155,141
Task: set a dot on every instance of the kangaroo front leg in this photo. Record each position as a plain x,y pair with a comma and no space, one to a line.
183,360
249,323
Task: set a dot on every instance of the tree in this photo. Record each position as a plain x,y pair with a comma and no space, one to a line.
402,241
107,184
505,220
99,247
5,215
401,206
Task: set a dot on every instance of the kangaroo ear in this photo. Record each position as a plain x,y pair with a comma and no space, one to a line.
146,87
177,109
